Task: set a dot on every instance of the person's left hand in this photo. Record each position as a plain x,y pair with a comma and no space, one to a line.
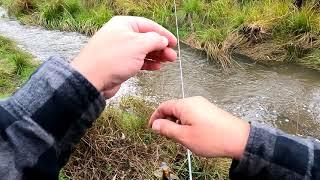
120,49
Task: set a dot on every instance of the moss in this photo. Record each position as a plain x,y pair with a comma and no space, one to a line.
15,67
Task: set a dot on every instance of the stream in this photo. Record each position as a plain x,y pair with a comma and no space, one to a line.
285,96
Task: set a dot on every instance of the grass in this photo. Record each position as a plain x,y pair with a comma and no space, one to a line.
220,27
15,67
121,145
312,59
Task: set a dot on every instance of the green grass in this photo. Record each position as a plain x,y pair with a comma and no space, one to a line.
15,67
120,143
219,27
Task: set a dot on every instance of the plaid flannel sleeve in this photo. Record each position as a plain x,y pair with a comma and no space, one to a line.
42,122
273,154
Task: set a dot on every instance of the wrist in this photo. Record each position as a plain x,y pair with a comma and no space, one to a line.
89,72
241,137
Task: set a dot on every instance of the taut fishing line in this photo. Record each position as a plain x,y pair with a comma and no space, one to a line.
181,79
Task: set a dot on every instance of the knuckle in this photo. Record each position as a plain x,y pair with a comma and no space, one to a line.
153,36
116,18
184,136
163,104
199,98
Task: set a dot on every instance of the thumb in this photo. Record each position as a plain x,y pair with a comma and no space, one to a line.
170,129
152,41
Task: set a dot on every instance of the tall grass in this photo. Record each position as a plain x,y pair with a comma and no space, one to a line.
15,67
207,25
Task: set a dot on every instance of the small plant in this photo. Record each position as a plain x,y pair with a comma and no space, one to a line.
21,62
299,23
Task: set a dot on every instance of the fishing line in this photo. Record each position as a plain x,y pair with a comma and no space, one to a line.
182,80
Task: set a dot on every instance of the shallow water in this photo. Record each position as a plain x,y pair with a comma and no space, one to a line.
286,96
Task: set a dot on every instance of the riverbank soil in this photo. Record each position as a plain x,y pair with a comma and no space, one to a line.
267,31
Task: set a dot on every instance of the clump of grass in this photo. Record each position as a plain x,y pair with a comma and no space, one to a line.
311,60
90,21
15,67
121,145
20,7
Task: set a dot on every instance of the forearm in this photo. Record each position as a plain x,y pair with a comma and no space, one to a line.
41,123
272,154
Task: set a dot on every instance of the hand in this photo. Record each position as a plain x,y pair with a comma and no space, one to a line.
205,129
120,49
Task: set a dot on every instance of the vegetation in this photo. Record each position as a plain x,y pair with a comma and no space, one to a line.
265,30
15,67
120,145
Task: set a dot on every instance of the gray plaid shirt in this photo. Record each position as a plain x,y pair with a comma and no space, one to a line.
42,122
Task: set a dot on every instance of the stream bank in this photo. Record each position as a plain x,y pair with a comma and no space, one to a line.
267,31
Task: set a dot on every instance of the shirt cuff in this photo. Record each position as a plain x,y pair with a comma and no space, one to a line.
56,96
271,154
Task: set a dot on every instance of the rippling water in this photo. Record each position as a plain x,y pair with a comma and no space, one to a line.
286,96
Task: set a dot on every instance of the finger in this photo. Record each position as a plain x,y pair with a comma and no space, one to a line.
166,109
143,25
151,41
168,54
171,130
110,93
151,66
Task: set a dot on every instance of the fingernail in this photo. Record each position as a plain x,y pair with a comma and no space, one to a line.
165,40
156,126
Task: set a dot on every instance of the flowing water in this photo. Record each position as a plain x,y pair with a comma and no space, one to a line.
286,96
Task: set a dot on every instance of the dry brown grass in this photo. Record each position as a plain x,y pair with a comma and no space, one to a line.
268,51
221,53
119,147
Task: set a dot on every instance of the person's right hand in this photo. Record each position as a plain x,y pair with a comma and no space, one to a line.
121,48
205,129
